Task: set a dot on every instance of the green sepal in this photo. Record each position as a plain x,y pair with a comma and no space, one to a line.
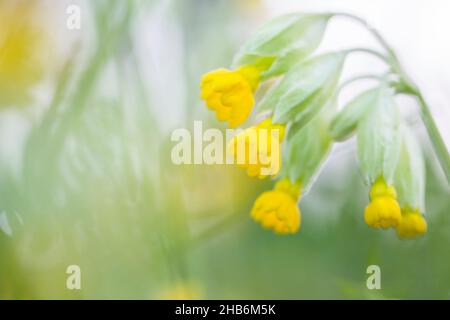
283,41
410,172
378,137
305,89
345,122
307,148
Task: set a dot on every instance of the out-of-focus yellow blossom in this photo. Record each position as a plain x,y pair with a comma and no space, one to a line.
230,93
383,210
277,209
413,224
21,51
258,149
181,291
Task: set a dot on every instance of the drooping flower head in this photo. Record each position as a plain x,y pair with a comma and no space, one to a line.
413,224
383,210
230,93
258,150
277,209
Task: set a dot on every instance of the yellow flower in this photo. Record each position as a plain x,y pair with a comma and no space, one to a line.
230,93
383,211
21,51
413,224
258,149
181,291
277,209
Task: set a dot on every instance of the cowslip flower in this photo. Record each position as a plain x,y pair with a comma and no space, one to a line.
258,150
277,209
21,52
230,93
412,224
383,210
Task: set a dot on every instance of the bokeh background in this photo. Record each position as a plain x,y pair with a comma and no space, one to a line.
86,176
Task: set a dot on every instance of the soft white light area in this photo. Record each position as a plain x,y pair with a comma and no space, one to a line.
160,51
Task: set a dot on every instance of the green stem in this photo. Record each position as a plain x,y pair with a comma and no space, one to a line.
438,143
371,29
357,78
392,58
371,52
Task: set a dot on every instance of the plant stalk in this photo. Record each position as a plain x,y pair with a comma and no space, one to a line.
371,29
436,139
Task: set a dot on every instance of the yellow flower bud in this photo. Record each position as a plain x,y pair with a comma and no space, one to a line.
258,150
383,210
230,93
277,209
413,224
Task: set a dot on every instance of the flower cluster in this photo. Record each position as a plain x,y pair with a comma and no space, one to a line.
412,224
383,210
277,209
229,93
302,110
259,147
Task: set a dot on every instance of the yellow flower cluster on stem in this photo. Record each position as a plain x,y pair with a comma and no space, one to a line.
230,93
413,224
384,212
258,150
277,209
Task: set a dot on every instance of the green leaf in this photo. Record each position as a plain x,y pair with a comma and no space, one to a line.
410,172
307,148
305,89
286,40
345,122
283,63
378,137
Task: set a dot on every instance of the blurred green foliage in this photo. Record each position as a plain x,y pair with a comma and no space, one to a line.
97,189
